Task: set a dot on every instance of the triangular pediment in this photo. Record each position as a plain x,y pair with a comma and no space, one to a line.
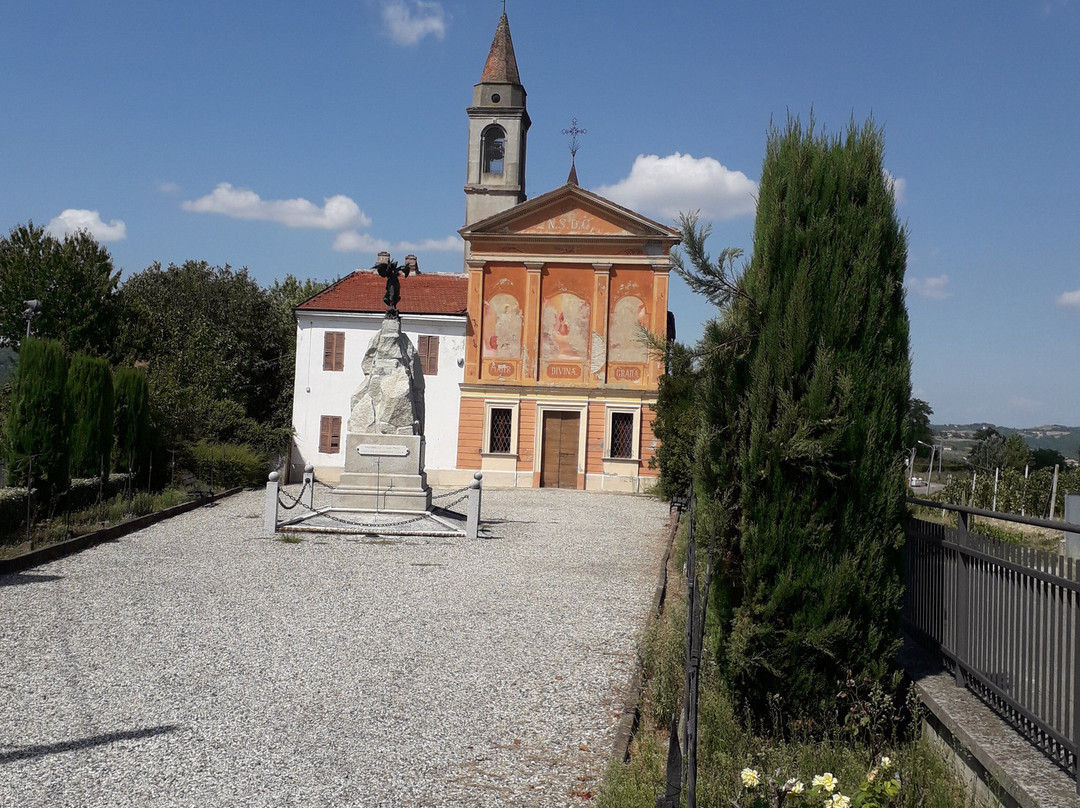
570,212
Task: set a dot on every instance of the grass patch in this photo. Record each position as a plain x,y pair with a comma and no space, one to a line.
778,749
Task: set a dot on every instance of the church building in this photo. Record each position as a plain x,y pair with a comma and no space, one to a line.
554,386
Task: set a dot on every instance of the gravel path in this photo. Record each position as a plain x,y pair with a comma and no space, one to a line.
197,663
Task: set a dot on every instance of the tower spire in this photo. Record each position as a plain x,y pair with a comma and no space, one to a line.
501,65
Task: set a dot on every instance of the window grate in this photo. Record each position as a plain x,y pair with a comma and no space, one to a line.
622,434
501,424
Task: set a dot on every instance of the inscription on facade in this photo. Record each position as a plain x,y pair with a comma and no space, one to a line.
626,373
500,370
563,371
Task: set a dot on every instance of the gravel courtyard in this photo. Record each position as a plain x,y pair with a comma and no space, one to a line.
200,663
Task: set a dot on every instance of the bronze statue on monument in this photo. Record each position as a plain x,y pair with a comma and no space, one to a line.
390,270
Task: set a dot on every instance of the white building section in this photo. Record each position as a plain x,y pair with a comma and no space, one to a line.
332,334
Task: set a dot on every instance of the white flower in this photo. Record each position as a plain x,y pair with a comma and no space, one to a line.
826,781
838,801
798,787
885,762
750,777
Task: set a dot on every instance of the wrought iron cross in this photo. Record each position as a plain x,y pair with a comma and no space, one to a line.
574,131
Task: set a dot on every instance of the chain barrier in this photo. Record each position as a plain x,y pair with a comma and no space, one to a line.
295,500
450,494
450,505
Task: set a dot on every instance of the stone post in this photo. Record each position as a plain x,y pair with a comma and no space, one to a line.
307,496
270,509
472,527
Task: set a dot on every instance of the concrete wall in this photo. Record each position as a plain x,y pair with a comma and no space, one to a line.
318,392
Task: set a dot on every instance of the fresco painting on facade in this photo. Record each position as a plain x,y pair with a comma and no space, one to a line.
502,326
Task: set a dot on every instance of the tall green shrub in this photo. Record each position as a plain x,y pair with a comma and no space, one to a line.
132,424
805,392
90,393
38,415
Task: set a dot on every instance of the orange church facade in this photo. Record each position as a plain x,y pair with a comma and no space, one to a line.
559,388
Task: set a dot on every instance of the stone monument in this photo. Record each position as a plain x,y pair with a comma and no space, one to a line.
384,444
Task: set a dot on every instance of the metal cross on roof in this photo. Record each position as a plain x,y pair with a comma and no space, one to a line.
574,131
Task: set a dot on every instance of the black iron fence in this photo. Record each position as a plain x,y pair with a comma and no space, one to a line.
1004,619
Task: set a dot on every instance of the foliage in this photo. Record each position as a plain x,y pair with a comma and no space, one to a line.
716,282
131,394
1017,454
919,413
90,395
1047,458
73,279
39,414
1015,494
676,423
215,353
805,394
228,465
989,453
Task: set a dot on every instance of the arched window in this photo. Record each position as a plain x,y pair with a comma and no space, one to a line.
493,146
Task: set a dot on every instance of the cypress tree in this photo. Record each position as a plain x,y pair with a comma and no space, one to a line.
806,392
38,417
90,391
132,406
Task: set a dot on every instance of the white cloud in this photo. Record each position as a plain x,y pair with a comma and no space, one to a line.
899,188
353,241
409,21
337,213
929,288
74,219
167,188
1069,299
677,183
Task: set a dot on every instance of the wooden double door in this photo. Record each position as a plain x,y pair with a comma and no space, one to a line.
559,455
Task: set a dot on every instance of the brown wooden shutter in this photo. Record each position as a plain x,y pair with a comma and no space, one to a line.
428,348
330,434
333,350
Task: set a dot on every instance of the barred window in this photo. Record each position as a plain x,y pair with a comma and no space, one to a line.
622,434
428,348
502,421
330,434
333,350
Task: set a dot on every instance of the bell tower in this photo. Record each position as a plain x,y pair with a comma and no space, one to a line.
498,123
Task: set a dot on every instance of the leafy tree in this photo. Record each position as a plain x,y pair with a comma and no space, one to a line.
75,281
90,396
676,423
132,418
38,414
805,396
919,413
989,453
210,338
285,295
1016,453
1047,458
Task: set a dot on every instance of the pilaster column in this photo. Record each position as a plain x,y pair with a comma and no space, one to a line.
475,315
598,343
530,344
661,271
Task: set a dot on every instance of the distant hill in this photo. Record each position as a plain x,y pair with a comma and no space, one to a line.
959,438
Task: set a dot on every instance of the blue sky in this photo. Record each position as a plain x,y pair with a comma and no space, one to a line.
302,138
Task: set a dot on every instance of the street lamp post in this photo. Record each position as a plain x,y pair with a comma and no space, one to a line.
31,309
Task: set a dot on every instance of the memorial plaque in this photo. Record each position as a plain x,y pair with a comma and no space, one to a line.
377,450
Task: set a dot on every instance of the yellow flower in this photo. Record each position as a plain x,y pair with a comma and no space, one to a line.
838,801
798,787
826,781
750,777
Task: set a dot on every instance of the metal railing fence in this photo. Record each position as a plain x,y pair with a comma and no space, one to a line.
1004,619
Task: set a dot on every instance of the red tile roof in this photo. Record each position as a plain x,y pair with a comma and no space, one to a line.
501,66
363,290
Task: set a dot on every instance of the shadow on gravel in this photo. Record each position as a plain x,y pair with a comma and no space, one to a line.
23,578
27,752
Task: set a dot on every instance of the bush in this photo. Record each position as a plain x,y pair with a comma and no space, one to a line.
228,465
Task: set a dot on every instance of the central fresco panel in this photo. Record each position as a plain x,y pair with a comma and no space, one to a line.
565,325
